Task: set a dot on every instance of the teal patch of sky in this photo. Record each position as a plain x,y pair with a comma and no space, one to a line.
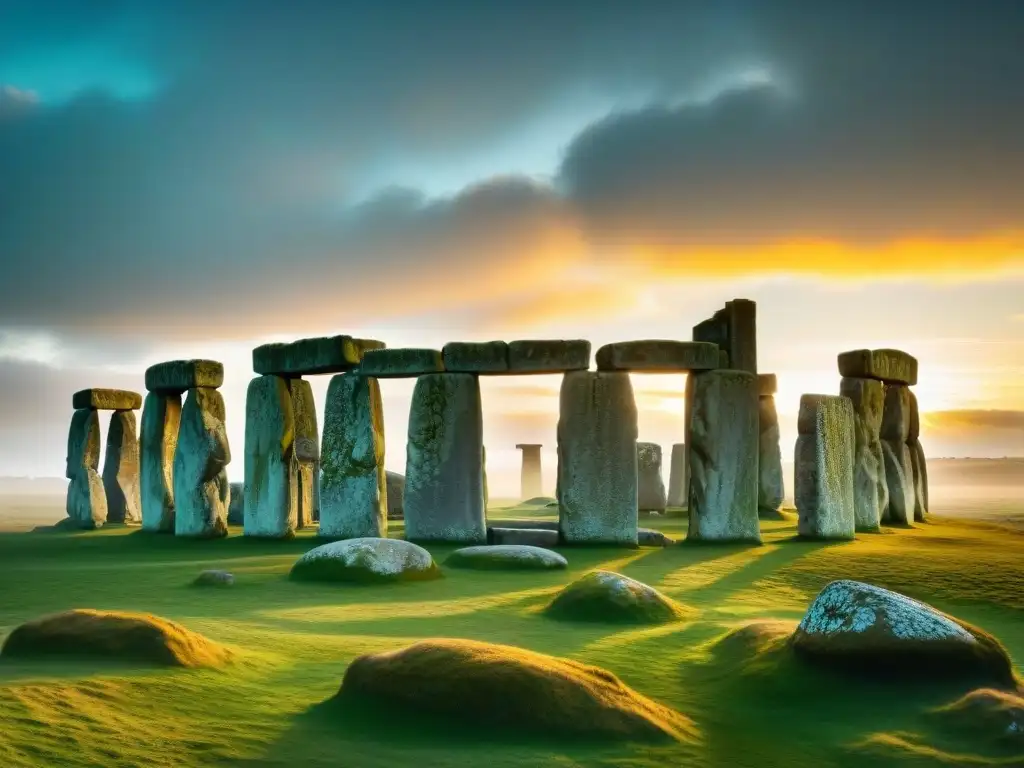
57,76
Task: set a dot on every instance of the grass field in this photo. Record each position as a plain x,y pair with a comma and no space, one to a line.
295,640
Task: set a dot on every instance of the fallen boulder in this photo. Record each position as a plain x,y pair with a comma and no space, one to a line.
214,578
366,560
533,537
611,597
506,557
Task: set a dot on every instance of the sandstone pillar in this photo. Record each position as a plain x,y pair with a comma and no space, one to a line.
86,501
677,477
161,419
353,487
270,507
121,471
395,484
201,490
870,491
723,457
597,467
444,478
770,485
824,467
651,496
917,461
899,468
306,456
236,504
531,482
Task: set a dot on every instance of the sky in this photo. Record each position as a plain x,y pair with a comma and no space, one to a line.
192,179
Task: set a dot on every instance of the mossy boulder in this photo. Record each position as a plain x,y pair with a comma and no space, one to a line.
994,716
504,688
214,578
648,537
116,635
860,626
611,597
506,557
366,560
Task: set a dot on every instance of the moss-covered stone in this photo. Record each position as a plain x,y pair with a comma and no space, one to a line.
161,420
107,400
506,557
823,474
508,690
271,502
605,596
121,474
326,354
548,356
407,363
86,499
870,491
366,560
200,481
770,488
534,537
651,495
214,578
657,356
475,357
888,365
176,376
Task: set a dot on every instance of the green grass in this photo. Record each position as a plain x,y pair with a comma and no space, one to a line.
751,704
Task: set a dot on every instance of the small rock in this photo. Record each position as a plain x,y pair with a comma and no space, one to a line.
214,578
611,597
647,537
506,557
366,560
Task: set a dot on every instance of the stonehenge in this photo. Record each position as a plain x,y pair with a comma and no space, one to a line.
823,475
770,485
86,501
161,419
121,476
651,496
677,477
870,490
531,483
201,490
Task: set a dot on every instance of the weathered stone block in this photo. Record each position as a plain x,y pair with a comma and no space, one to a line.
395,484
770,490
271,492
714,330
531,483
548,356
896,413
200,482
106,400
533,537
475,357
723,453
161,420
326,354
870,491
444,475
306,453
597,468
401,363
677,477
83,442
177,376
86,500
353,489
919,467
236,504
657,356
767,384
899,477
651,496
121,471
741,316
824,468
888,365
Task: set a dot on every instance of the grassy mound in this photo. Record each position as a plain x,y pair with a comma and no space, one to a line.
511,689
995,716
538,501
610,597
506,557
141,637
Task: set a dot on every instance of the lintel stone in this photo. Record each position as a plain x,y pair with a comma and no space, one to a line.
475,357
892,366
767,384
177,376
658,356
407,363
548,356
324,354
106,400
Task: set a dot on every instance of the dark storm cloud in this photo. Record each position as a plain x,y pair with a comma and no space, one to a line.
223,204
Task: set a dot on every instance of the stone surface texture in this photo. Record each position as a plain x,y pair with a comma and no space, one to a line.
271,484
214,578
677,477
353,486
444,470
888,365
201,490
365,559
395,484
236,504
325,354
657,356
401,363
161,420
920,467
531,484
177,376
896,456
870,490
534,537
475,357
597,470
651,494
507,556
723,455
548,356
770,483
306,453
86,500
106,400
121,470
824,468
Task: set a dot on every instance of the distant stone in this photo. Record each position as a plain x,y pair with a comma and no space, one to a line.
920,470
767,384
610,597
677,477
86,500
396,495
651,496
888,365
896,414
161,420
401,363
305,454
366,560
770,488
271,501
824,468
200,481
851,624
534,537
657,356
531,477
353,489
327,354
236,504
597,469
106,400
121,476
870,490
475,357
214,578
444,480
899,478
548,356
506,557
914,417
647,537
177,376
724,442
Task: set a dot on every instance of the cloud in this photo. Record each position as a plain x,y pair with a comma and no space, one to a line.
15,102
974,420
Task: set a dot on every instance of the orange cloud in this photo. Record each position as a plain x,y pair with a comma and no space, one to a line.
974,420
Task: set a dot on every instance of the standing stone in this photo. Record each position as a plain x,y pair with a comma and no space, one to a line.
121,476
723,447
86,501
396,495
870,491
734,329
687,422
770,485
651,495
896,458
353,488
236,504
444,476
531,483
271,484
201,488
917,460
597,469
677,477
161,419
306,455
824,467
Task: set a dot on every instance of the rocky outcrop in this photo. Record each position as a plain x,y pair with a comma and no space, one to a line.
870,490
651,496
201,487
161,419
121,472
86,500
366,560
823,473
